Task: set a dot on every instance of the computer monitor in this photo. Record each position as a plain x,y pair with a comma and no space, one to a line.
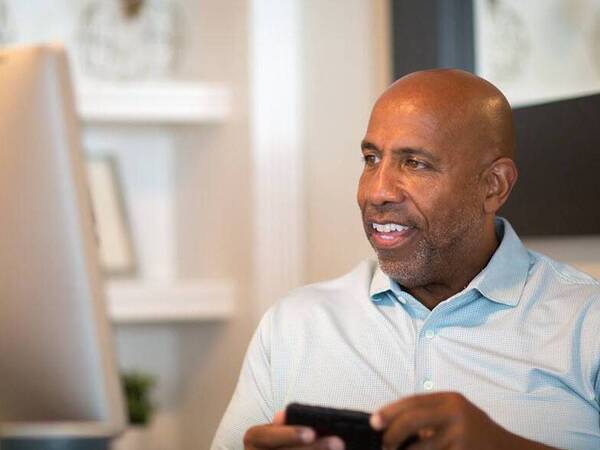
58,374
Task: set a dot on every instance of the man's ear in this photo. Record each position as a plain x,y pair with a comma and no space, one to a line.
500,178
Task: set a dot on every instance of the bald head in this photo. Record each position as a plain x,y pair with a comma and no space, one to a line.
464,105
438,155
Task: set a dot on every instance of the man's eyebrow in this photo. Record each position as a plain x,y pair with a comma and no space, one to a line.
417,152
366,145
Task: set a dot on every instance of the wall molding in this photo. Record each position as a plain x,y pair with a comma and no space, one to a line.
276,128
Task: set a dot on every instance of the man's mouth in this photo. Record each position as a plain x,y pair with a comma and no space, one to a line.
387,235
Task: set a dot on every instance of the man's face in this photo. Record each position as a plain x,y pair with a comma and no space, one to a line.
419,193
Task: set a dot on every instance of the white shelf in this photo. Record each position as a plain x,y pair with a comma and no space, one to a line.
183,301
167,102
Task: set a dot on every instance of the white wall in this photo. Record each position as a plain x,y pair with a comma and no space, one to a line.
214,173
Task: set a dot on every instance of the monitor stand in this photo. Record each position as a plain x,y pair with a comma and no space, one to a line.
55,444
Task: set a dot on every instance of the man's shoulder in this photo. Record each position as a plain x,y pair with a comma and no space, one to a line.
561,272
347,290
560,281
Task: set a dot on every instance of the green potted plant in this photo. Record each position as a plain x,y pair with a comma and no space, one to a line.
137,387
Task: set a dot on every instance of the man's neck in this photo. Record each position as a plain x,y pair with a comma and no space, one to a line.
432,294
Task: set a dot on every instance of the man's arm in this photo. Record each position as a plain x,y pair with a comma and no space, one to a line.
252,401
247,421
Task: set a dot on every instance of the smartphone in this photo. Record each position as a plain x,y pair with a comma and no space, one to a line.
351,426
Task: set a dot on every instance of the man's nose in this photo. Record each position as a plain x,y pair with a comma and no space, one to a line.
386,185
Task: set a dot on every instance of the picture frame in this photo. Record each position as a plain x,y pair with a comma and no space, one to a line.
115,247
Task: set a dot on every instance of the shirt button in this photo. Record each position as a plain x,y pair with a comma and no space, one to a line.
428,385
429,334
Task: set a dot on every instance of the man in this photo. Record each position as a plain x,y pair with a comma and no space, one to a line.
458,334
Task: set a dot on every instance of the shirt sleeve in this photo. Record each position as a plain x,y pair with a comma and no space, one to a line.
252,399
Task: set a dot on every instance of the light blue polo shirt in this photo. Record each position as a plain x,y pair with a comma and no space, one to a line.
521,341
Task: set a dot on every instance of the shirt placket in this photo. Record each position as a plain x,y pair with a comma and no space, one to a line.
425,334
427,338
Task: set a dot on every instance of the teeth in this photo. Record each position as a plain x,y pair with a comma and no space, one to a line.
389,227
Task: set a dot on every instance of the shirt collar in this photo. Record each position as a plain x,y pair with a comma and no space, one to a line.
504,278
380,284
501,281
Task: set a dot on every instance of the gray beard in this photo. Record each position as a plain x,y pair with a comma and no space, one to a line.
420,270
434,262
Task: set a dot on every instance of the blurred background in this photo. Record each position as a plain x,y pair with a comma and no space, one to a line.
223,139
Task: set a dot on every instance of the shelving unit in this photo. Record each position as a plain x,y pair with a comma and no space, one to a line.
112,113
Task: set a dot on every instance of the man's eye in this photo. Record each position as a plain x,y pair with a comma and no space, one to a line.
415,164
369,160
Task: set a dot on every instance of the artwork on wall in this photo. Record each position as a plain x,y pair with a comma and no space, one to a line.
509,41
107,40
112,226
538,50
129,39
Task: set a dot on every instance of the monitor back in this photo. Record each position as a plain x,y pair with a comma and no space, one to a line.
58,374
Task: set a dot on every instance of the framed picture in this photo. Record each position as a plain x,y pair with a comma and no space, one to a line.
115,246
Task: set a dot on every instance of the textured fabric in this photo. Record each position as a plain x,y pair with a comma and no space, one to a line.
521,341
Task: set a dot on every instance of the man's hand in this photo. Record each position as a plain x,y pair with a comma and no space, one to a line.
279,436
442,421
